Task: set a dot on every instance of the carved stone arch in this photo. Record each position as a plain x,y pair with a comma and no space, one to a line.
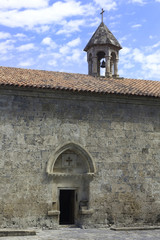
78,149
113,55
72,169
100,54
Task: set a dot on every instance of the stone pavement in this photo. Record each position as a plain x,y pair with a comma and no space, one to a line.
90,234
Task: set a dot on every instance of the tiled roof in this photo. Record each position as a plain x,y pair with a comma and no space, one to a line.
77,82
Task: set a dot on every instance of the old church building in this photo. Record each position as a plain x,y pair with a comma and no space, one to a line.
79,149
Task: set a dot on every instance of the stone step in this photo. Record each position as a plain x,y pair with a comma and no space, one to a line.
16,232
135,228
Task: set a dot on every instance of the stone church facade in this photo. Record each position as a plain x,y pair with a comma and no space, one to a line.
79,149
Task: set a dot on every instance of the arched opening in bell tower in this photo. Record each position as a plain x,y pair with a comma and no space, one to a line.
101,69
114,65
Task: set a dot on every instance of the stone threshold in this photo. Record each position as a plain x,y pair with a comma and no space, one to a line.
16,232
68,226
135,228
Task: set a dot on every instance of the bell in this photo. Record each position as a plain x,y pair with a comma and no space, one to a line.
103,64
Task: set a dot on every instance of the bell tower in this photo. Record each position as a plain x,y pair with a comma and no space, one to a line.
103,52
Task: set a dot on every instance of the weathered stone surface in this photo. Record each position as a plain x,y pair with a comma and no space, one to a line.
120,134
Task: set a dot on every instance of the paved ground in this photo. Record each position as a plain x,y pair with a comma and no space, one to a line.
90,234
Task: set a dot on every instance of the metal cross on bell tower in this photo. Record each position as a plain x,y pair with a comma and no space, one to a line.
102,14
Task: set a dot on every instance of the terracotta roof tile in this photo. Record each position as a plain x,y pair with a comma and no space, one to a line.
77,82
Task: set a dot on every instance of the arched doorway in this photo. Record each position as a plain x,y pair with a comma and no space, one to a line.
72,169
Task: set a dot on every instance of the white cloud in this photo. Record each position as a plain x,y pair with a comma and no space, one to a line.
20,35
94,22
6,57
6,46
18,4
113,25
153,58
51,58
151,37
64,56
53,62
142,2
156,45
26,47
67,48
138,55
74,42
150,49
115,17
107,4
71,26
128,65
64,50
27,63
147,65
124,38
49,42
4,35
151,66
44,16
136,25
125,50
42,29
75,56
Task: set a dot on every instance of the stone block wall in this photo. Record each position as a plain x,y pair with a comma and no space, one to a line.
122,134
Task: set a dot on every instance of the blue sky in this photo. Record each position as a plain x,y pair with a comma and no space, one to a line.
51,35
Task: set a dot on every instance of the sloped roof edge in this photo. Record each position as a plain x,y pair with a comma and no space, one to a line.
102,36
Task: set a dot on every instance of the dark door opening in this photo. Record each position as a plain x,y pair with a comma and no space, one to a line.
67,206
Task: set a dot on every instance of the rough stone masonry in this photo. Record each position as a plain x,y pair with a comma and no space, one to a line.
111,142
